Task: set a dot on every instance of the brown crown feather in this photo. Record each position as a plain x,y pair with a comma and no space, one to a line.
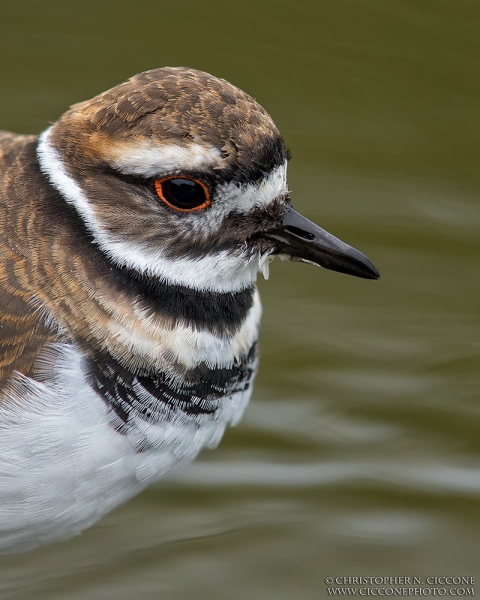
175,105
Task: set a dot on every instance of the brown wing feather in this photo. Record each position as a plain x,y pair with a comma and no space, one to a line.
22,332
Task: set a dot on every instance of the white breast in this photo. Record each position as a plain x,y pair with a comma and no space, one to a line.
63,465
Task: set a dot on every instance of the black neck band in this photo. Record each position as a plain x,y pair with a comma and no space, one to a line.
219,312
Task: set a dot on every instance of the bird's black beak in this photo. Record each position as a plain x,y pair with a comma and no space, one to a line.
299,239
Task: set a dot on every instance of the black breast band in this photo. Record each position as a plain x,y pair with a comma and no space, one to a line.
157,397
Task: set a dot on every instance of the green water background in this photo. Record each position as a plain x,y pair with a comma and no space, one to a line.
359,452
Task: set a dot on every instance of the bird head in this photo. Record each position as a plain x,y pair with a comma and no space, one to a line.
181,176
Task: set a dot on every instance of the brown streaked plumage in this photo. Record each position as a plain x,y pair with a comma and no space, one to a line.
22,330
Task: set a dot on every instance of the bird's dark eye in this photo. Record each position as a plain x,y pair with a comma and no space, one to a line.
184,194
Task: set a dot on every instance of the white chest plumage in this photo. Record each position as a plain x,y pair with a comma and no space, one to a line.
74,465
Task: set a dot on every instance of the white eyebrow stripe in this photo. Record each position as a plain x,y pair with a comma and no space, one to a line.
147,159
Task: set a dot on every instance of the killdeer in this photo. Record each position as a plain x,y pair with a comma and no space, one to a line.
132,232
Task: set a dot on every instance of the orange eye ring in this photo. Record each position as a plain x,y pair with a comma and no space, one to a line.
183,197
